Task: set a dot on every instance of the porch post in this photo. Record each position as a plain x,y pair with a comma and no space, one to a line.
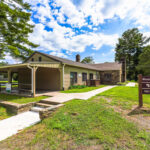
33,79
62,77
9,76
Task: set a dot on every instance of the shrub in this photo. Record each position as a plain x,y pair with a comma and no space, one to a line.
77,86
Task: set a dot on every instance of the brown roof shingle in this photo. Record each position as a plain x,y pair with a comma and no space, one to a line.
102,66
108,66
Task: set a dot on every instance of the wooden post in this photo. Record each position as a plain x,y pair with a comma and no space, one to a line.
34,86
140,90
33,80
9,76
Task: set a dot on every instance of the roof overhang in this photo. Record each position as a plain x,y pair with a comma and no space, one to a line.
26,65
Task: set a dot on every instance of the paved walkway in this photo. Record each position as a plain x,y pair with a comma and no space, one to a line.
64,97
13,125
132,84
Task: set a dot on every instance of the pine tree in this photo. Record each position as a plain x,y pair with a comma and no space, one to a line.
130,46
144,61
15,29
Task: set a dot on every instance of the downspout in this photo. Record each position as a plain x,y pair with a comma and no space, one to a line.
63,74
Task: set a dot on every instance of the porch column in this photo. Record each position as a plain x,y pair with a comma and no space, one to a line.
62,77
9,76
33,80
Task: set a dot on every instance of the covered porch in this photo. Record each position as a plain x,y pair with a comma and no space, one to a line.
33,78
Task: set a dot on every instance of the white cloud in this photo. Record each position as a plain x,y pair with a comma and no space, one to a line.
64,38
10,59
76,14
59,54
99,10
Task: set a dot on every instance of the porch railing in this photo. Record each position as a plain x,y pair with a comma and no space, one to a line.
92,82
16,87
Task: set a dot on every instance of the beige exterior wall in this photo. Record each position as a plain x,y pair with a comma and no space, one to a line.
47,79
44,58
79,71
116,77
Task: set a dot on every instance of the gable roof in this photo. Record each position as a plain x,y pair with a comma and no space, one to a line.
108,66
98,67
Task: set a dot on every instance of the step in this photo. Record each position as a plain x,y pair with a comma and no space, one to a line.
36,109
49,102
43,105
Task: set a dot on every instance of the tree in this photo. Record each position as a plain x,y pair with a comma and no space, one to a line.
144,61
88,60
3,63
15,29
130,46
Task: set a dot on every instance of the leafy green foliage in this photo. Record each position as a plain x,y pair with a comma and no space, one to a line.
15,29
130,46
77,86
3,63
88,60
144,63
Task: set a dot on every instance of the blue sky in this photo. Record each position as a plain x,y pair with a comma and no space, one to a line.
87,27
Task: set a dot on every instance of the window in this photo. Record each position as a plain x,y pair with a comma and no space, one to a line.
32,59
40,58
84,76
73,77
108,76
91,76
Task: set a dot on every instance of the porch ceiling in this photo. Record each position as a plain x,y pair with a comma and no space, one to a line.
24,65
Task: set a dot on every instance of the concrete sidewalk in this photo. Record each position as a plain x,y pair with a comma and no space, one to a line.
131,84
64,97
13,125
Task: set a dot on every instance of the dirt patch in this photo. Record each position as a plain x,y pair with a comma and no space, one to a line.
140,116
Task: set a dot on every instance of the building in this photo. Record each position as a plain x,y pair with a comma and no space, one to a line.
42,72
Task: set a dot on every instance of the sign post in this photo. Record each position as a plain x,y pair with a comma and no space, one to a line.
140,90
144,87
8,87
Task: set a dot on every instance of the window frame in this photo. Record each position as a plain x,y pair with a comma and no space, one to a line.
32,59
40,59
84,76
75,76
108,76
91,75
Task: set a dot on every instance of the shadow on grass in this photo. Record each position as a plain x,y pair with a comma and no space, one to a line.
139,110
9,112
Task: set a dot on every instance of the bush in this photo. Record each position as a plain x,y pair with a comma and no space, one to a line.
77,86
122,83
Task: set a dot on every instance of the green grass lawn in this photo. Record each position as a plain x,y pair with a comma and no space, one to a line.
124,93
84,125
19,99
4,113
86,89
